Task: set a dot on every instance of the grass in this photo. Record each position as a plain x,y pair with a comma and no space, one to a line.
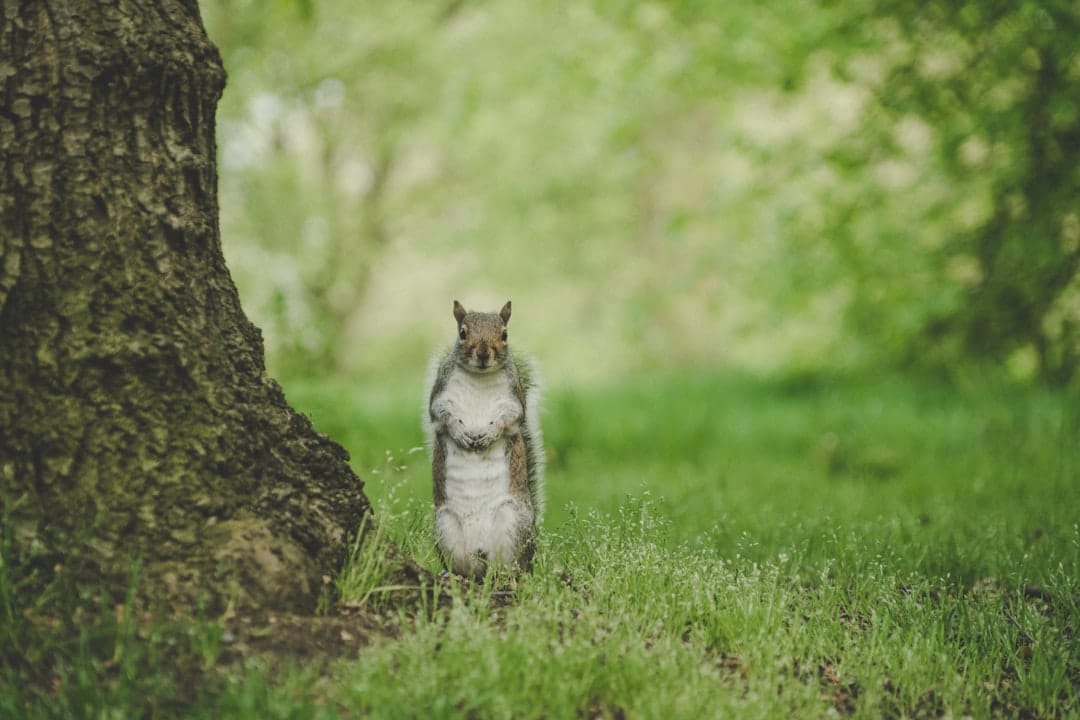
734,545
726,546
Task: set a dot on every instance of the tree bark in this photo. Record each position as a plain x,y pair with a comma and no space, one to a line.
136,418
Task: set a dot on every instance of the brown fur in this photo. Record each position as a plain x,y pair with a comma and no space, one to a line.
519,472
519,488
438,471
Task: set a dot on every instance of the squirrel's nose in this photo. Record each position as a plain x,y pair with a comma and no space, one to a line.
482,353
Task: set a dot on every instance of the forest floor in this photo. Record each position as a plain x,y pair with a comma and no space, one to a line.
714,546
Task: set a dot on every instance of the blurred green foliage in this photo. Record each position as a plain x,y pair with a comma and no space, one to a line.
993,91
662,184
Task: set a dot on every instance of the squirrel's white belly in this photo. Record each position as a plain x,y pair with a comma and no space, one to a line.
480,516
477,485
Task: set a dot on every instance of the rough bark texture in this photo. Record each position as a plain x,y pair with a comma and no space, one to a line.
136,418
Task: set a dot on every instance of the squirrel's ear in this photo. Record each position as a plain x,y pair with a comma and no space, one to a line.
459,312
505,313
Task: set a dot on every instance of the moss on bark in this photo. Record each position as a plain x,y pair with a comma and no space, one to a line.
136,417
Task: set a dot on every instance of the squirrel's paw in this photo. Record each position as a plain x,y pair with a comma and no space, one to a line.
483,438
477,442
456,429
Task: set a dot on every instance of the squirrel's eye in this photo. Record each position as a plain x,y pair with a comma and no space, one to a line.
461,332
504,336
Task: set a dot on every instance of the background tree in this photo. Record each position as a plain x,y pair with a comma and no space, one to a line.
137,419
798,188
982,99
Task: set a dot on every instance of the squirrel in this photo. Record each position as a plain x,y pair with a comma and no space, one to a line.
487,453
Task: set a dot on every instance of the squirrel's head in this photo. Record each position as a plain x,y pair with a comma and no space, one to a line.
481,339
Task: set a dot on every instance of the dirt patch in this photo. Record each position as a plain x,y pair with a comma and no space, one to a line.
841,692
304,637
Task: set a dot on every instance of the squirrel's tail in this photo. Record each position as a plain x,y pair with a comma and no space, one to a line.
529,375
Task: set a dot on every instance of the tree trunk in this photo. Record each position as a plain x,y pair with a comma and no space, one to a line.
136,418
